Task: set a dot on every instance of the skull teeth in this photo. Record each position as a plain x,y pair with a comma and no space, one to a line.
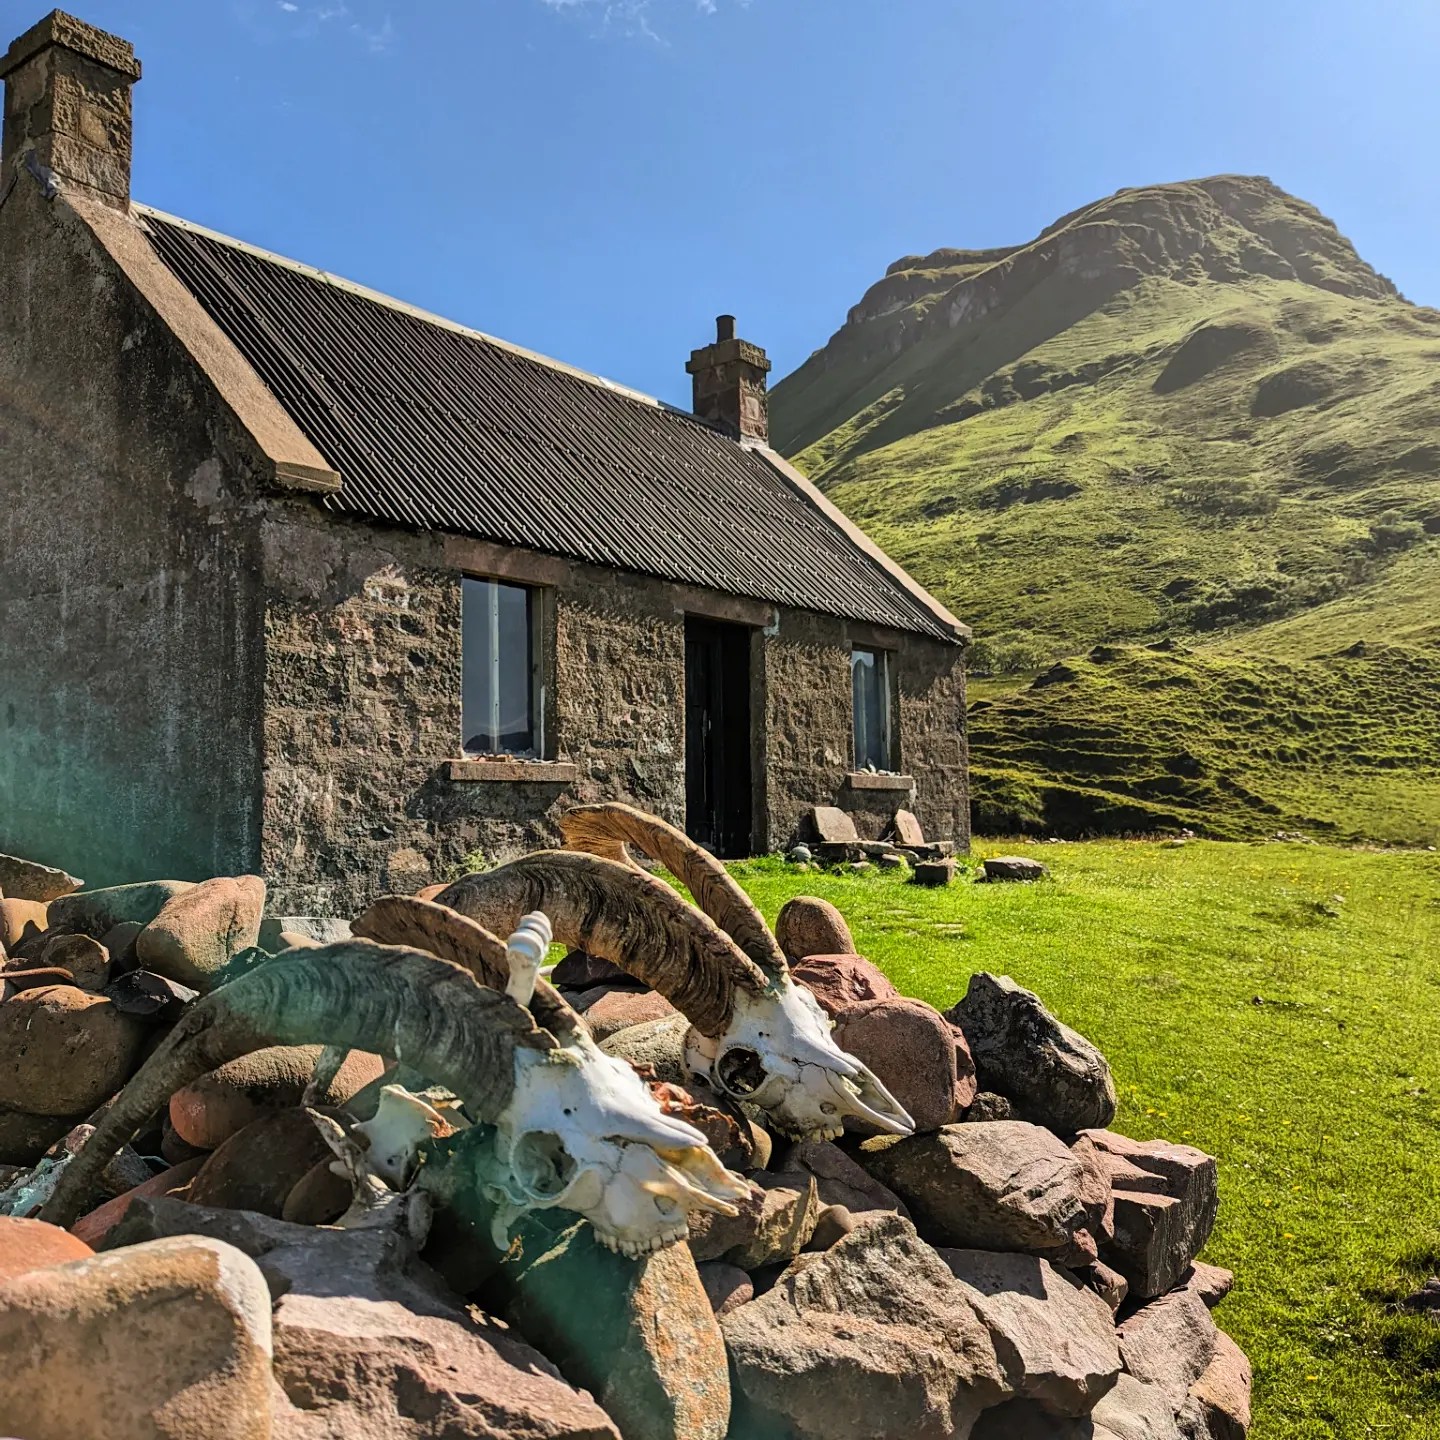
649,1245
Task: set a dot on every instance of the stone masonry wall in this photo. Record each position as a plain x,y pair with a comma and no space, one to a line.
129,606
810,738
363,687
362,713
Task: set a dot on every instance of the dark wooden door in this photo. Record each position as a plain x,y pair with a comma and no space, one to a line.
717,736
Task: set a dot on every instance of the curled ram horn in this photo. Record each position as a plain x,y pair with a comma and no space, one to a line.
566,1118
425,925
611,830
756,1036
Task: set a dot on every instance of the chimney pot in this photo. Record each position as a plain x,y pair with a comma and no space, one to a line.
730,383
67,103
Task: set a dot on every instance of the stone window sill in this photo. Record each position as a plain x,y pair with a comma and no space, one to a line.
534,772
868,780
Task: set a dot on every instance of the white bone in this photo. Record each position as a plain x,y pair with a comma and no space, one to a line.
525,951
402,1123
632,1171
810,1085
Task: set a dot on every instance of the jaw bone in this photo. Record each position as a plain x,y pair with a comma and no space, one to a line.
777,1053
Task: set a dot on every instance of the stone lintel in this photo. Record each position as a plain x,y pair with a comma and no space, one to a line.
715,605
487,560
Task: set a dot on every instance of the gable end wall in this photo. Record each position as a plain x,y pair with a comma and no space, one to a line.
129,605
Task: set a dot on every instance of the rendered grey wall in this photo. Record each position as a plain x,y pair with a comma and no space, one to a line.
129,607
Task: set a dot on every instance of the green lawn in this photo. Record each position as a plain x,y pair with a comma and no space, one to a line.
1277,1005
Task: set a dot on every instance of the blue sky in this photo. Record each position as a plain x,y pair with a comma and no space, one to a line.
596,179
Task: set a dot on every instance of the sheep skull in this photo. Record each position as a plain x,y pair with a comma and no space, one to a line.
777,1053
583,1132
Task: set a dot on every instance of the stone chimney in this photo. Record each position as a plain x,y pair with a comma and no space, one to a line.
730,383
67,102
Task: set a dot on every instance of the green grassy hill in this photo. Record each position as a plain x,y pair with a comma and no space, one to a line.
1189,413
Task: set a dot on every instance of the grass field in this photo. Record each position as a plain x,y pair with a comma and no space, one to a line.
1277,1005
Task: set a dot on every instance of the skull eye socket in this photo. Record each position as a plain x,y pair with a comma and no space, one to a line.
741,1071
542,1164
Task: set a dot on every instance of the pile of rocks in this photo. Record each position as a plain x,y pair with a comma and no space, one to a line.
1013,1269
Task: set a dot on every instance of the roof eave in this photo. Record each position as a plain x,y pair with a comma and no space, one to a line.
959,632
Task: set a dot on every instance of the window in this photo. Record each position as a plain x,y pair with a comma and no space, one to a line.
501,704
870,684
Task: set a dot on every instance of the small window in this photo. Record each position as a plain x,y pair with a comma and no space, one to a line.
500,706
870,682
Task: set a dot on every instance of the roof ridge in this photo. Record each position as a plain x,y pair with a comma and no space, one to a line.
418,312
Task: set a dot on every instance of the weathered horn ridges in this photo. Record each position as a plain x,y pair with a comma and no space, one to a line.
393,1001
606,829
622,915
426,925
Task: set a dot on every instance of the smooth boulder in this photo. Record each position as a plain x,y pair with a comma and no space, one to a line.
619,1009
872,1340
842,980
194,936
258,1167
644,1341
658,1045
169,1340
809,926
1058,1078
22,879
1002,1185
727,1287
63,1051
210,1110
27,1244
93,912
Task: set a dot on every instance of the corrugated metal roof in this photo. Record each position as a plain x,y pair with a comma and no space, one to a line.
438,427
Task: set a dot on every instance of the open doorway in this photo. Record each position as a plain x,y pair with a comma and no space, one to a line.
718,811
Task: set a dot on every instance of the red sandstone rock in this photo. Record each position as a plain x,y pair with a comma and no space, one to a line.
27,1245
19,920
258,1167
94,1227
619,1008
840,981
911,1051
86,959
63,1052
165,1339
212,1109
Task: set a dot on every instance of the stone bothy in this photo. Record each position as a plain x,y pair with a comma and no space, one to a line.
300,580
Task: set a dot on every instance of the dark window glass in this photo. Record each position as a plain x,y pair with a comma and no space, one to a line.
870,685
497,708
